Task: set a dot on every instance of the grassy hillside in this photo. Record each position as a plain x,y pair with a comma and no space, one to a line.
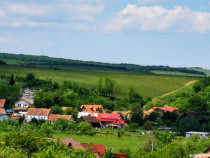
146,85
45,61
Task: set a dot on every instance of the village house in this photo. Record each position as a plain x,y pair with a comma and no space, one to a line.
201,134
39,114
24,103
54,117
164,109
92,110
3,114
28,94
98,150
2,102
92,120
111,120
21,106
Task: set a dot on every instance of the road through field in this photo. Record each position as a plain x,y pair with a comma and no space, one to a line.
175,91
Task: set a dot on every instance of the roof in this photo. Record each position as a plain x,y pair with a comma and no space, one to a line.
38,112
93,108
194,132
9,110
148,112
2,111
54,117
165,108
2,102
19,108
72,142
26,100
90,119
124,113
100,149
113,118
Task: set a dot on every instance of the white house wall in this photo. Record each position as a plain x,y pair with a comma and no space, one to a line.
22,104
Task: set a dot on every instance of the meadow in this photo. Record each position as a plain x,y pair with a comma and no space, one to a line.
147,85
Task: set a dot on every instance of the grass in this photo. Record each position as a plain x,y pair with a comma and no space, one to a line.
133,141
147,85
174,73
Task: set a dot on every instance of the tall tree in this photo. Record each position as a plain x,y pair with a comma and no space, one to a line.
11,80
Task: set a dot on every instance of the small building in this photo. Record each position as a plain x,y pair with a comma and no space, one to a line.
39,114
165,109
3,114
2,102
111,120
24,103
19,111
92,120
162,128
201,134
92,110
98,150
54,117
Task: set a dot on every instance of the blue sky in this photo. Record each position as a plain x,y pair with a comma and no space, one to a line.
145,32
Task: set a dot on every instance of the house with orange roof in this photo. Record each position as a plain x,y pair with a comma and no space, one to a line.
3,114
123,113
92,110
165,109
54,117
38,113
24,103
2,102
21,106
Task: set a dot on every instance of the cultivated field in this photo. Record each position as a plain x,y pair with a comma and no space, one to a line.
146,85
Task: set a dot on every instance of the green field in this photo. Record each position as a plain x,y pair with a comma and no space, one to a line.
146,85
132,141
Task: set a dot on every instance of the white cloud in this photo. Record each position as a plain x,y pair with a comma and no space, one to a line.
159,19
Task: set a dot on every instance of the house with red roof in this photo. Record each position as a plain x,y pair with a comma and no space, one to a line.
111,120
90,110
98,150
165,109
2,102
38,113
3,114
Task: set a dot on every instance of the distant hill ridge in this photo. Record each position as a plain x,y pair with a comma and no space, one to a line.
69,63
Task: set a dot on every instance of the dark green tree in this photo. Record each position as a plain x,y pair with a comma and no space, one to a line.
11,80
137,114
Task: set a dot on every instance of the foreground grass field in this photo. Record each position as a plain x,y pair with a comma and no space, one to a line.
146,85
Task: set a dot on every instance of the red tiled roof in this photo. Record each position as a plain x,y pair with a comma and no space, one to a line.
26,100
2,111
112,118
100,149
93,108
19,108
165,108
54,117
90,119
38,112
2,102
107,116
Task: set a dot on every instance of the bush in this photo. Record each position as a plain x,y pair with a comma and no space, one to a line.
132,127
120,133
85,128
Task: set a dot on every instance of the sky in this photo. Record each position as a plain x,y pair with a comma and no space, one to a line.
144,32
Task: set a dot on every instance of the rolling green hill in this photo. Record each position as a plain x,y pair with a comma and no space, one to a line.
148,85
45,61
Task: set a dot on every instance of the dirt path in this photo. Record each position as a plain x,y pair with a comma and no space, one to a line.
175,91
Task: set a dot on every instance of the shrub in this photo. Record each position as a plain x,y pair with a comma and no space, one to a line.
148,125
120,133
